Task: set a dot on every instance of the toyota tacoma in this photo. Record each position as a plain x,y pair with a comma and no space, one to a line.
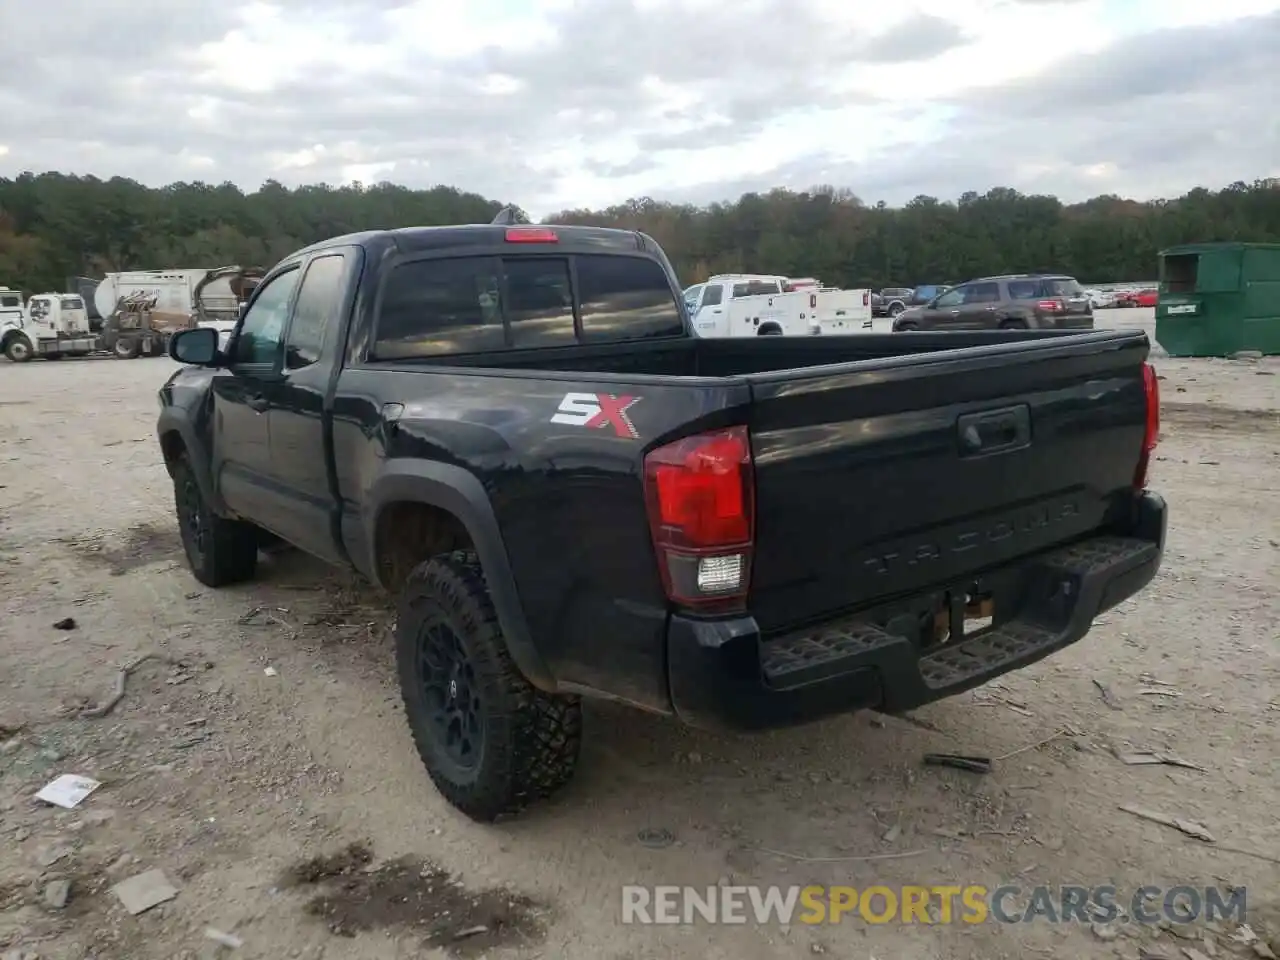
512,429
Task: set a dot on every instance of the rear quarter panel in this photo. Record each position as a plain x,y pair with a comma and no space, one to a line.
568,496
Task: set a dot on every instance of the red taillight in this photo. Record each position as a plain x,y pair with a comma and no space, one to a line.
1151,435
866,297
531,235
1049,305
701,501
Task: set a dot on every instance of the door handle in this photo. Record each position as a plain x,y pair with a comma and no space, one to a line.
258,403
995,431
955,313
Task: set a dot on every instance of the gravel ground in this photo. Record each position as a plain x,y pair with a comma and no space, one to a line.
267,732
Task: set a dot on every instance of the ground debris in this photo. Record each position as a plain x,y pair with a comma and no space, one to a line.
56,893
351,859
229,940
122,677
419,896
1138,758
1108,697
1190,827
140,893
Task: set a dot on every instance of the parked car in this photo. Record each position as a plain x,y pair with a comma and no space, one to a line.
1021,302
890,301
923,294
514,430
1101,299
1137,298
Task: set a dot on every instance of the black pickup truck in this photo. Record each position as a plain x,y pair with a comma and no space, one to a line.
513,429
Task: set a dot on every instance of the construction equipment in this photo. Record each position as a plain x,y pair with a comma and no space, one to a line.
143,309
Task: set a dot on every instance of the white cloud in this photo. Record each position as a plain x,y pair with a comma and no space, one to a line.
559,103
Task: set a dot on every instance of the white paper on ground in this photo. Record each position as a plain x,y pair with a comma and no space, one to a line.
67,790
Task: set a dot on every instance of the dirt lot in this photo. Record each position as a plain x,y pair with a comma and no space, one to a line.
268,732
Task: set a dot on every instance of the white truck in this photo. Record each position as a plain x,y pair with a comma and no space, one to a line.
50,325
761,306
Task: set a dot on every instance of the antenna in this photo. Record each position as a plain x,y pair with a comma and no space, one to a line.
507,217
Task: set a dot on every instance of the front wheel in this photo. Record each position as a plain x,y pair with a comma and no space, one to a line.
219,551
127,348
19,349
908,325
492,743
1013,325
895,309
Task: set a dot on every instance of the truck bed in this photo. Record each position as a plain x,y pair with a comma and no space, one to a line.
864,492
734,357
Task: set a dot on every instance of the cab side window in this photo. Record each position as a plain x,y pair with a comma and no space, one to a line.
982,293
316,311
260,334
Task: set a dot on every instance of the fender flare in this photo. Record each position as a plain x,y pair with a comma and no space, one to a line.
460,493
175,420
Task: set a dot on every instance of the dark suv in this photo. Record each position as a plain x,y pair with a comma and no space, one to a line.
1026,301
890,301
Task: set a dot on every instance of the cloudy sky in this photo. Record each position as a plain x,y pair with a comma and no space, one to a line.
571,103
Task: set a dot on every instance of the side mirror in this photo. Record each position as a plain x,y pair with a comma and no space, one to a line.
198,347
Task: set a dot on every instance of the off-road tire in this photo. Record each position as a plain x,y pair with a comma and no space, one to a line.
529,739
126,348
227,552
19,349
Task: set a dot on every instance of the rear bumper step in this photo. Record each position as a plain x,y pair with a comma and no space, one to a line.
723,676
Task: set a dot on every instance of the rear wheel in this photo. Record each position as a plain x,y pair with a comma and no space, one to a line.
908,325
219,551
1013,324
770,331
491,742
895,309
18,349
127,348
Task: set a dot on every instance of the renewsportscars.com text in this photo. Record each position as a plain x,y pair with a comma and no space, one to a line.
935,904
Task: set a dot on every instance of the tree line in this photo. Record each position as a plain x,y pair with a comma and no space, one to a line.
54,226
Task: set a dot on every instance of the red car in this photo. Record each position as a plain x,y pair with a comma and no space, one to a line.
1138,298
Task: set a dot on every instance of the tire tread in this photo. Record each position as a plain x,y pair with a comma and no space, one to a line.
532,738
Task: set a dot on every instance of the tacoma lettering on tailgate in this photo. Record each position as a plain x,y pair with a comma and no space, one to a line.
974,537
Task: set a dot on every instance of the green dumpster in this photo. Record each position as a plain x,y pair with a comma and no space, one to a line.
1217,299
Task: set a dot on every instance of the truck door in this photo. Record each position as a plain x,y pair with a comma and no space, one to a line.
710,318
307,510
42,318
241,456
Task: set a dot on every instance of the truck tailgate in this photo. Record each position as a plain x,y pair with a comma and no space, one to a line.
885,478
